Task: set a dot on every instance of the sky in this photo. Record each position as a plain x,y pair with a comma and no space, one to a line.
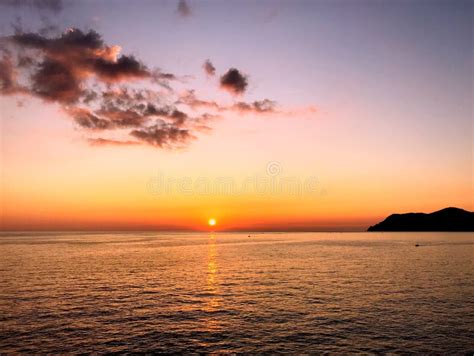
268,115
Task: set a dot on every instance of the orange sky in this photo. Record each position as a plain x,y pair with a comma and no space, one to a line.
359,133
51,179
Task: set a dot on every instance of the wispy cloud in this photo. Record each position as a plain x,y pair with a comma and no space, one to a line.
108,142
183,8
209,68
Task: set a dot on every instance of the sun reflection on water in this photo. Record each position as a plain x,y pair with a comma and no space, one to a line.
214,300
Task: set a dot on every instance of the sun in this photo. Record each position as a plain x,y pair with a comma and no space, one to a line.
212,222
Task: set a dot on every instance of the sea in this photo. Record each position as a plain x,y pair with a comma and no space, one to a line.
122,292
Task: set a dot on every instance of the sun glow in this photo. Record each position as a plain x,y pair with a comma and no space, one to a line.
212,222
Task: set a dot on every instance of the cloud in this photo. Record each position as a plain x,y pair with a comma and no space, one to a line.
163,136
123,67
183,9
50,5
108,142
84,54
88,120
262,106
189,98
94,85
234,82
123,118
55,81
7,76
209,68
113,95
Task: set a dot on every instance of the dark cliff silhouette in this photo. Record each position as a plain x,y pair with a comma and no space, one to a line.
449,219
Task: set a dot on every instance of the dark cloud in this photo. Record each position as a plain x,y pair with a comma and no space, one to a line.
7,76
80,72
183,8
163,136
123,118
86,55
124,67
152,110
88,120
209,68
179,117
234,82
89,96
50,5
104,91
55,81
124,97
70,40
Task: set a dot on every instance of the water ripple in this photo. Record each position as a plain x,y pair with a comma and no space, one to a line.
229,293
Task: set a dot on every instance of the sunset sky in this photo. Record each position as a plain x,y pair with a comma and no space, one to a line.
133,115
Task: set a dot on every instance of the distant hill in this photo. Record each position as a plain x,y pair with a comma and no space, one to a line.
449,219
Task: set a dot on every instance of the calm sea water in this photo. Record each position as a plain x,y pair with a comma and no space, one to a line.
305,292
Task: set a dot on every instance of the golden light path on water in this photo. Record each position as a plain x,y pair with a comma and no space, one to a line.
214,301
